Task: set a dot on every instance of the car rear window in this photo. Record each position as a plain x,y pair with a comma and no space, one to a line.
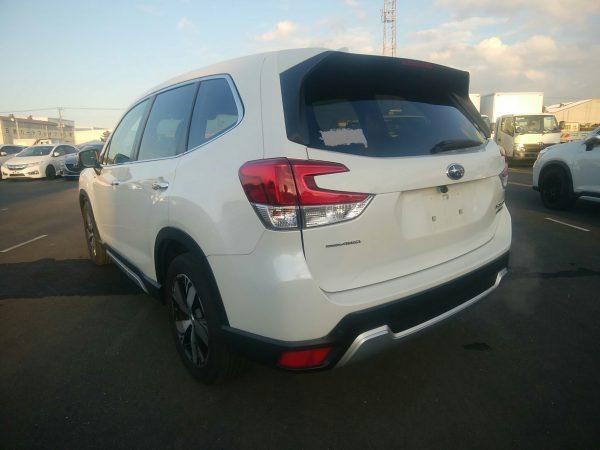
374,107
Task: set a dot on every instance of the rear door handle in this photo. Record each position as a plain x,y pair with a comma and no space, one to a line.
160,185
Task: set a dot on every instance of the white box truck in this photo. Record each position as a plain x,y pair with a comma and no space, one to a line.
476,100
502,103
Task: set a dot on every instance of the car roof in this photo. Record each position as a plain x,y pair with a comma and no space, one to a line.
239,67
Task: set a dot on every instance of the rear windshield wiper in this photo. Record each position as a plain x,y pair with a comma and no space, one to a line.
454,144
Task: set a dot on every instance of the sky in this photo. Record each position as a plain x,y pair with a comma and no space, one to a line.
102,55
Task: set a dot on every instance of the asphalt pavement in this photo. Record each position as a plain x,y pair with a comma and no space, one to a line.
86,359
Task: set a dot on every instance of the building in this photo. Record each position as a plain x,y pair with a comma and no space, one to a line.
88,134
583,112
28,130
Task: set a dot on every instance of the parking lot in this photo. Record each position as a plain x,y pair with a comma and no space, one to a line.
87,359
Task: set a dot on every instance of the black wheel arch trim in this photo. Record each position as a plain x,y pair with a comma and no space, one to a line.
172,234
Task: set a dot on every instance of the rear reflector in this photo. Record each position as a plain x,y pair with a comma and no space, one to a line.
304,359
285,195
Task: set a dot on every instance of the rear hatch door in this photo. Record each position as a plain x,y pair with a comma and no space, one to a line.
400,127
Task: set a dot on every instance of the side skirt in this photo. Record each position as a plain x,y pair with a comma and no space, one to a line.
149,286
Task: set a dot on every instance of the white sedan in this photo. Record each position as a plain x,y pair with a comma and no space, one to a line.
39,161
565,172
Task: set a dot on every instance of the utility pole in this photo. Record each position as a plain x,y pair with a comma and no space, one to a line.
60,123
388,19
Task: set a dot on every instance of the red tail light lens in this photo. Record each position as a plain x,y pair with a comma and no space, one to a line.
285,195
308,191
269,182
304,359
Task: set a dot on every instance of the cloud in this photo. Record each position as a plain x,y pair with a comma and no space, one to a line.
565,10
326,33
148,8
356,6
186,26
283,30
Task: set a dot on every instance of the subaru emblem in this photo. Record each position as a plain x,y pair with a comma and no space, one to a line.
455,171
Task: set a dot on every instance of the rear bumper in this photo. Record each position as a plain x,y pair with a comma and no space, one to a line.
362,333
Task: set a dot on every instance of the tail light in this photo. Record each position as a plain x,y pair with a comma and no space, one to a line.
285,195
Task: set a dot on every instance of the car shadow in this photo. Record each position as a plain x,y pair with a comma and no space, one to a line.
49,277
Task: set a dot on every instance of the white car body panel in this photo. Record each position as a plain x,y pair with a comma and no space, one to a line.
269,283
584,165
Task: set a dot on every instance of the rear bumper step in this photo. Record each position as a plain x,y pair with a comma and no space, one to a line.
375,340
362,333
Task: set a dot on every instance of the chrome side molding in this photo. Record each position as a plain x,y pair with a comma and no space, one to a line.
130,273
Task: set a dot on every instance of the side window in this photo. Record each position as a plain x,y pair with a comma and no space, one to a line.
167,124
71,150
214,113
61,150
507,125
124,137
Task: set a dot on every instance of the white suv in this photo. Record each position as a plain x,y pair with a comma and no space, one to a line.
562,173
304,208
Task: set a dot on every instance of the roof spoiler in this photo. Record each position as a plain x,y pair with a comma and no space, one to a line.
424,77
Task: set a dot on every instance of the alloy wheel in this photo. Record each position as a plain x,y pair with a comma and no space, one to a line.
89,232
190,320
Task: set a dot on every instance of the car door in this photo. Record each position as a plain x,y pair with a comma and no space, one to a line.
144,192
586,169
504,136
58,157
116,160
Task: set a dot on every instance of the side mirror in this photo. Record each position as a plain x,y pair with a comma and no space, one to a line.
518,130
88,159
591,142
56,154
3,153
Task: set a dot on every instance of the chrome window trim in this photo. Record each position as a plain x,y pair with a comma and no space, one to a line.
238,103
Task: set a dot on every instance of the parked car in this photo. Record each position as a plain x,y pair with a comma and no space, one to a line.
38,161
304,208
71,169
563,173
7,151
523,136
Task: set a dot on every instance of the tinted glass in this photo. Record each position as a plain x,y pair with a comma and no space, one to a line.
385,125
123,140
507,125
11,149
536,124
40,150
215,112
167,125
61,150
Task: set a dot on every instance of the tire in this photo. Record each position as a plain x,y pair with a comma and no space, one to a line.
556,190
50,172
197,329
97,252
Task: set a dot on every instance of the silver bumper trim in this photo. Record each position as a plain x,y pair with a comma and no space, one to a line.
380,338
